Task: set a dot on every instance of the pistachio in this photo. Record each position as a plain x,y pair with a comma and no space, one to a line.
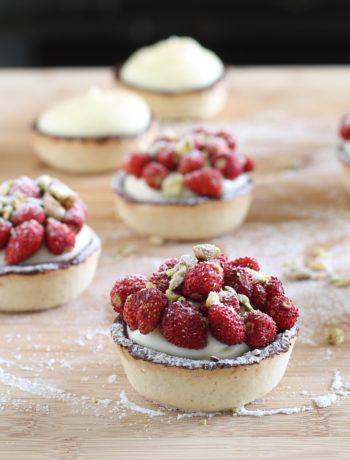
184,147
5,187
44,182
150,285
316,266
213,298
62,192
258,276
52,207
244,303
173,185
6,212
206,251
177,278
172,296
336,336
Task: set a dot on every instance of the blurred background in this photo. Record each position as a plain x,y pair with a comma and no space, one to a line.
42,33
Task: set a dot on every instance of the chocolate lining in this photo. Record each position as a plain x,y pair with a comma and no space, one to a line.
118,187
93,246
281,344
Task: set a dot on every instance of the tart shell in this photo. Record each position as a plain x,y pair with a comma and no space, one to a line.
44,286
88,154
345,163
198,104
198,219
206,386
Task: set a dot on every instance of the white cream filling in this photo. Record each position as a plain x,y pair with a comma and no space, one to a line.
174,64
44,256
137,189
156,341
97,113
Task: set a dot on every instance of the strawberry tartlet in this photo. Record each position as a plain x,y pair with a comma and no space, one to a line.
48,255
204,333
344,149
178,77
93,132
192,187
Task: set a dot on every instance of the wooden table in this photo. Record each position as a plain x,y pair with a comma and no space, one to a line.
62,389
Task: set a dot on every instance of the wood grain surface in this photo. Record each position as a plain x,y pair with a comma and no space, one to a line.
62,389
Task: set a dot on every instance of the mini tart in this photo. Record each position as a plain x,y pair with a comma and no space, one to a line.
197,218
203,385
47,285
344,158
83,152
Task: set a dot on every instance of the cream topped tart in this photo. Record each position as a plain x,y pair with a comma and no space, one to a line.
93,132
178,77
48,255
204,332
189,187
344,149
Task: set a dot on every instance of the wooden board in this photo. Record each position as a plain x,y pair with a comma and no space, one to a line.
62,389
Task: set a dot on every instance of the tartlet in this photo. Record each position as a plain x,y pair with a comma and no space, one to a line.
48,255
204,333
93,132
193,187
178,78
343,152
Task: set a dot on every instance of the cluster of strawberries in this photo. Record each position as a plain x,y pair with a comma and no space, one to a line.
345,127
204,160
33,212
190,296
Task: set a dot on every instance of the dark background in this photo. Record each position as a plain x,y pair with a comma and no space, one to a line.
103,32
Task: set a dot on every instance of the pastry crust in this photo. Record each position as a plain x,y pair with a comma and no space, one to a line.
204,218
207,386
345,163
198,104
88,154
44,286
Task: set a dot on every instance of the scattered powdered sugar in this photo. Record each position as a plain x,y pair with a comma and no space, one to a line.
325,400
243,412
124,401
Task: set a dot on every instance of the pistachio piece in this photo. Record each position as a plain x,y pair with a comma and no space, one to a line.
5,187
7,211
244,303
44,182
62,192
213,298
206,251
173,185
258,276
336,336
184,147
52,207
316,265
177,278
172,296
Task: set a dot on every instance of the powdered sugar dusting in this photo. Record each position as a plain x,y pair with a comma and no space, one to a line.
243,412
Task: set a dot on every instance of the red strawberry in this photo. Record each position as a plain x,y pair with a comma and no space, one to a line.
230,140
230,299
168,158
283,311
229,164
28,211
135,163
238,278
160,280
201,279
205,182
246,262
125,287
225,325
260,329
143,309
248,165
184,326
168,264
75,216
258,296
190,162
274,288
25,186
345,128
223,260
24,242
154,173
5,232
59,237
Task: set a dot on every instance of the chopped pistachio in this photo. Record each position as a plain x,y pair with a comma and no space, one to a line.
244,302
316,266
7,211
298,274
44,182
206,251
62,192
5,187
172,296
188,260
258,276
341,283
177,278
173,185
150,285
52,207
184,147
335,336
213,298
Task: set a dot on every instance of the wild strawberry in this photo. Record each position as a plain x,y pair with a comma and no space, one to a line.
26,187
143,309
222,259
168,158
168,264
28,211
75,216
283,311
205,182
229,298
190,162
135,163
24,242
260,329
160,280
345,127
246,262
274,288
123,288
154,173
225,325
184,326
230,140
229,164
248,165
201,279
238,278
5,232
258,296
59,237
